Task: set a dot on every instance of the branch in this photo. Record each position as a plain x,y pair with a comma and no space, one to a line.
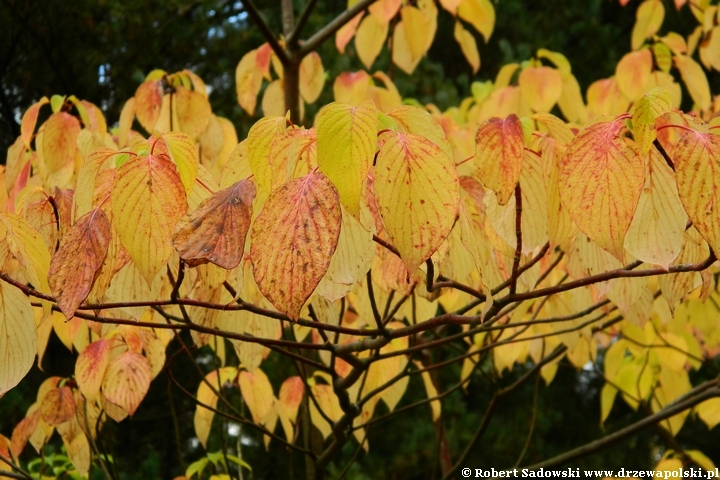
681,404
324,33
518,237
304,16
664,154
266,32
20,472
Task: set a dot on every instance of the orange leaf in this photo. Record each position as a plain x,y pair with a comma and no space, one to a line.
601,178
59,140
90,368
216,231
293,239
148,200
57,406
633,73
291,395
499,155
347,32
541,87
127,380
77,262
148,102
29,119
697,170
193,111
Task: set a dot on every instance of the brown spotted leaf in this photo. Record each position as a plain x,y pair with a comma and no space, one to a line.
90,368
216,231
77,262
57,406
294,238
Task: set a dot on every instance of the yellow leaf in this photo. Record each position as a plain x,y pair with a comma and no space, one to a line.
648,20
77,262
351,260
416,120
127,380
415,26
260,139
702,460
468,46
370,38
709,412
352,87
29,120
237,167
633,73
273,101
216,231
541,87
248,80
558,59
206,396
656,233
602,176
18,336
697,171
695,80
402,55
499,155
90,368
26,244
605,98
676,285
710,49
59,141
257,393
312,77
417,192
148,200
654,103
293,240
345,148
571,101
193,111
182,150
480,14
607,398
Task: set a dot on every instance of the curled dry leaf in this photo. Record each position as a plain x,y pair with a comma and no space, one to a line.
127,380
216,231
294,238
77,262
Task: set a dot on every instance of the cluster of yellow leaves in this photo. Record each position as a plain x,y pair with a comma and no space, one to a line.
254,67
414,28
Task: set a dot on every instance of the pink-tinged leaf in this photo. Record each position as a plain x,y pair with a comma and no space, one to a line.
291,395
633,73
29,120
127,380
148,103
216,231
541,87
601,178
90,368
347,32
697,171
499,155
77,262
59,140
293,240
